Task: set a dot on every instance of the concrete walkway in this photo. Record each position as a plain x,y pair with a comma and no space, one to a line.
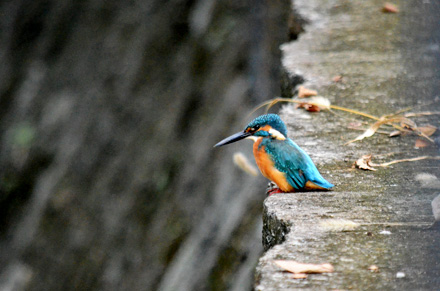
388,62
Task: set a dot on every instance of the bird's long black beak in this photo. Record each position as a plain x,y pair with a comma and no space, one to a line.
233,138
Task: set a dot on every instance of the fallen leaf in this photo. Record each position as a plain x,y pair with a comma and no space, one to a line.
305,92
369,132
421,143
243,163
407,123
427,130
321,102
373,268
390,8
337,79
309,107
295,267
395,133
315,104
364,163
384,120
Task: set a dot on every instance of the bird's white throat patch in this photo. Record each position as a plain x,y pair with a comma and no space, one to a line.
276,134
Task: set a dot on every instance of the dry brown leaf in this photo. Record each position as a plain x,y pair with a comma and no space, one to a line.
295,267
421,143
373,268
304,92
390,8
369,132
364,163
321,102
309,107
315,104
337,79
407,123
384,120
427,130
395,133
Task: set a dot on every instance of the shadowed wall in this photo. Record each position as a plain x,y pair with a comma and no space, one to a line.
109,111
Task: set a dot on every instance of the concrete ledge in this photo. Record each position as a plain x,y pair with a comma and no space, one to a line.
352,231
382,218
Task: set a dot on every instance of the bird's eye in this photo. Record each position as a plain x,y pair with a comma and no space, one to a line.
253,129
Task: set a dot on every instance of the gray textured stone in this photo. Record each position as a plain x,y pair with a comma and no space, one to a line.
382,218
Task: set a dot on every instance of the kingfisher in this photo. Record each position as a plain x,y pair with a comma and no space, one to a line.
279,158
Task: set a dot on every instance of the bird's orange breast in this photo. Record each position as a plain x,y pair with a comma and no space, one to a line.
267,168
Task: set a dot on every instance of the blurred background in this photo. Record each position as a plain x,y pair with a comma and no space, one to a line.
109,113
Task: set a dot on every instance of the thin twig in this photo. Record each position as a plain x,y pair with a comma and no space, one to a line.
408,160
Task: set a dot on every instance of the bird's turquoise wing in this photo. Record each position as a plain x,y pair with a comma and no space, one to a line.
299,168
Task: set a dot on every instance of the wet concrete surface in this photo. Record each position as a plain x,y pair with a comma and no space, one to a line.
388,62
